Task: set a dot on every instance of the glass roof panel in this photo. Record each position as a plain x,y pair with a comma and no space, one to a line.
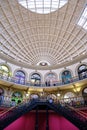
42,6
83,19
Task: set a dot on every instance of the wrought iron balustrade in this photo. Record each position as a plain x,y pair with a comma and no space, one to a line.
58,83
67,112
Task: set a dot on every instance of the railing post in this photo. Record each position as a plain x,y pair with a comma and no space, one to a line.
36,123
47,119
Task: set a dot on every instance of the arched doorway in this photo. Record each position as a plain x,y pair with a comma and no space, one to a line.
35,79
82,71
51,79
20,77
66,77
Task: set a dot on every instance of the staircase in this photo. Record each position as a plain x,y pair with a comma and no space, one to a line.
13,114
70,114
3,110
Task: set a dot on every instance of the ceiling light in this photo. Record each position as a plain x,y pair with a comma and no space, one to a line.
58,94
27,95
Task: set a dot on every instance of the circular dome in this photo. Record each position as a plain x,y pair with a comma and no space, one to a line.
28,38
42,6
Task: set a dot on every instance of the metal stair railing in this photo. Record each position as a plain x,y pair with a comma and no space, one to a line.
70,114
75,118
16,112
83,114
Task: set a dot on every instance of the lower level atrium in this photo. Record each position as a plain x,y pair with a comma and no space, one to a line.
25,106
43,99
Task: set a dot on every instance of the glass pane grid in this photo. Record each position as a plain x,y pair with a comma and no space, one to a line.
42,6
83,19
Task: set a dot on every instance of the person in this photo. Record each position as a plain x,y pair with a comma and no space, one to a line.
46,83
50,100
49,83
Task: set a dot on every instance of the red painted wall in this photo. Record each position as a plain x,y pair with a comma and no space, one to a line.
27,122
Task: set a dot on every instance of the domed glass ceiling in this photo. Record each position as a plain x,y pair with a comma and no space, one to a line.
32,41
42,6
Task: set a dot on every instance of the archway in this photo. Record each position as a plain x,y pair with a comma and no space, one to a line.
51,79
66,77
20,77
35,79
82,71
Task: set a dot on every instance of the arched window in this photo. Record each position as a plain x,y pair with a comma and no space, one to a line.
51,79
4,70
82,71
35,79
66,77
20,77
17,97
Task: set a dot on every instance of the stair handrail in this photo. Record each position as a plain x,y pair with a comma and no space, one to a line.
15,107
7,111
52,105
83,112
77,111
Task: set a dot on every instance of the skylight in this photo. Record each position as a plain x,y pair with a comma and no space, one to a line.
83,19
42,6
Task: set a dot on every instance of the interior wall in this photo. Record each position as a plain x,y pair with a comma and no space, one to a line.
44,72
72,68
27,122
